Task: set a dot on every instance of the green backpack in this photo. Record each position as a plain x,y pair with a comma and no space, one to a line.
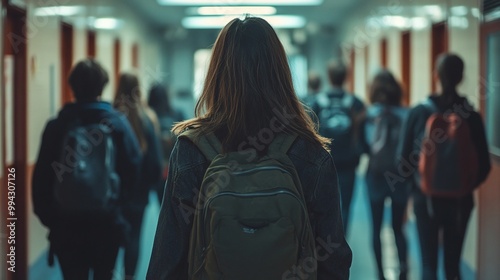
251,221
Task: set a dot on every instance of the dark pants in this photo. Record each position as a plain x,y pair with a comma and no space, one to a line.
346,185
79,253
449,215
132,249
378,191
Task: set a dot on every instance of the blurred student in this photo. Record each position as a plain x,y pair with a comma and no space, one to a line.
444,153
167,116
145,127
87,169
313,88
248,95
340,114
382,129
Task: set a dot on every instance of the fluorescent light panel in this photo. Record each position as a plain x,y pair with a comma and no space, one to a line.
239,2
216,22
107,23
59,11
236,10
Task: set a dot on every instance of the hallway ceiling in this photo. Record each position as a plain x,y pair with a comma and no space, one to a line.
328,14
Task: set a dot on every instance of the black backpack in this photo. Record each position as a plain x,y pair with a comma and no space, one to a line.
385,133
86,180
336,121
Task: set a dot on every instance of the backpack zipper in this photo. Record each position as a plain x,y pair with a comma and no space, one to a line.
260,168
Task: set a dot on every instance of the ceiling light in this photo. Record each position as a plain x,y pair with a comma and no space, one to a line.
236,10
106,23
59,11
397,21
459,11
459,22
434,11
240,2
419,23
216,22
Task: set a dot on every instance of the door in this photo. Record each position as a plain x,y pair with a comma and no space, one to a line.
66,61
439,44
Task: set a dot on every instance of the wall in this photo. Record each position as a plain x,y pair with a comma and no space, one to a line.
44,78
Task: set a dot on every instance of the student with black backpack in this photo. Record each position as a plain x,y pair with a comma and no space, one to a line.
86,171
252,192
382,130
340,114
444,154
145,126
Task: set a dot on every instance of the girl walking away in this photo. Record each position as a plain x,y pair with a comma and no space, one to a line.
145,125
444,142
382,128
159,101
253,132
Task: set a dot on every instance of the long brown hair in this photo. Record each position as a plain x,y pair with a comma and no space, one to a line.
128,101
248,86
385,89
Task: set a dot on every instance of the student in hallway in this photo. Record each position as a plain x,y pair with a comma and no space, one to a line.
160,102
436,209
340,114
313,88
249,90
87,169
382,129
145,126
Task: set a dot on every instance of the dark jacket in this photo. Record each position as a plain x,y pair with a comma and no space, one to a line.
128,159
152,163
378,186
413,132
316,170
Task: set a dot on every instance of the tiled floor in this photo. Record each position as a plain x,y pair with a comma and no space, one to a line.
363,267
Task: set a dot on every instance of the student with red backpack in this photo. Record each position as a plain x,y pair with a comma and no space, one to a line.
251,193
444,153
381,130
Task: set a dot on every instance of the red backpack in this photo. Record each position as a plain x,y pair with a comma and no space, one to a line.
448,163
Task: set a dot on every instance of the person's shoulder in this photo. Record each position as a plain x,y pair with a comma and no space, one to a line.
188,153
307,151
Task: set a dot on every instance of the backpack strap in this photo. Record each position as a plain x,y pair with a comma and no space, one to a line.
209,145
282,143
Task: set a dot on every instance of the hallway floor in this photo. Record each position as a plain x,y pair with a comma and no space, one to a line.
363,267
